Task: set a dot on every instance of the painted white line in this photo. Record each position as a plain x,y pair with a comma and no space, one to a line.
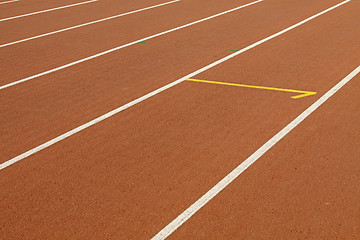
182,218
86,24
9,1
47,10
122,46
153,93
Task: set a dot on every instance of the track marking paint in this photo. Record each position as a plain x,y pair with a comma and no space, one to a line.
47,10
9,1
303,93
183,217
86,24
177,222
123,46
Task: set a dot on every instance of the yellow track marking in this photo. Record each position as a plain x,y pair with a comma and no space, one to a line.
303,93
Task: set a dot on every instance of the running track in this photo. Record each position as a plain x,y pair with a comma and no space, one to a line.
146,171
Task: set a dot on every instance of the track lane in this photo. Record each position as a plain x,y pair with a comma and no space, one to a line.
56,51
117,48
6,2
304,187
86,24
319,74
59,104
25,7
46,10
150,168
53,21
170,135
293,70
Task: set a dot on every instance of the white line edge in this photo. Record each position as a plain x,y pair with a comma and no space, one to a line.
183,217
153,93
47,10
9,1
122,46
85,24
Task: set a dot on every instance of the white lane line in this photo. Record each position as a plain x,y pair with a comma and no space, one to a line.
47,10
9,1
153,93
182,218
123,46
86,24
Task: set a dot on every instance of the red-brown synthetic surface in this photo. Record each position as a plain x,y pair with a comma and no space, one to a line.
29,6
45,53
306,187
61,101
130,175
